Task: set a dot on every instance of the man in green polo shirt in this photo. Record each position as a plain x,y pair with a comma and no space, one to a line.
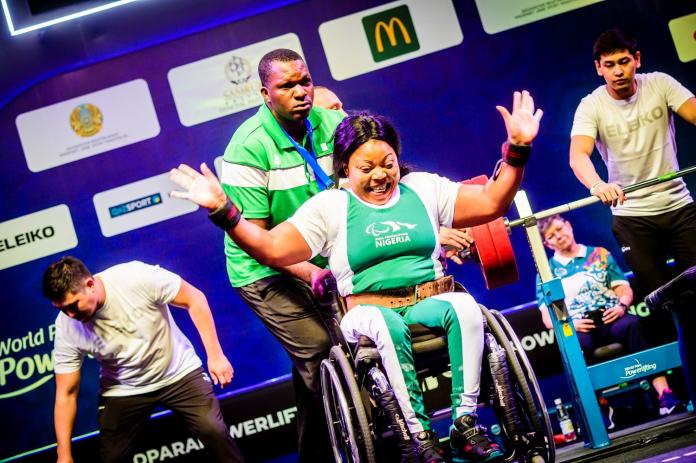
276,160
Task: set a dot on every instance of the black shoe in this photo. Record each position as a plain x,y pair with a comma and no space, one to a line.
426,445
470,441
675,293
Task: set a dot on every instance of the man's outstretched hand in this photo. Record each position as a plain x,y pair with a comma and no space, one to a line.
202,188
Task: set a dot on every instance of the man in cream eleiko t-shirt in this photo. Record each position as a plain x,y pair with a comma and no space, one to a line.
630,120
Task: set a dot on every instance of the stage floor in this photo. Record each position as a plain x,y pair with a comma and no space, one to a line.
665,440
671,439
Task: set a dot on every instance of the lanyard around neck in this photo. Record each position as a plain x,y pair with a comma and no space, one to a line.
323,181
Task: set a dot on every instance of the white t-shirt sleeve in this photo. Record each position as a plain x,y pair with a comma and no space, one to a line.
67,356
675,93
444,193
585,120
161,284
313,222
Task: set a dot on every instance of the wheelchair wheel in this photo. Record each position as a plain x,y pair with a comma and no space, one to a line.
349,430
535,420
532,381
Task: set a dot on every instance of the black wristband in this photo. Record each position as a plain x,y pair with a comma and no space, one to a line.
516,155
226,216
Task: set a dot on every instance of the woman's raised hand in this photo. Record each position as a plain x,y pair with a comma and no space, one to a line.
522,124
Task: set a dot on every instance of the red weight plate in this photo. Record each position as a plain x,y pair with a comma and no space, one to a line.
492,249
487,256
506,255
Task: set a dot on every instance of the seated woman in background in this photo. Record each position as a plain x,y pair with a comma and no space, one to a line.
380,236
597,296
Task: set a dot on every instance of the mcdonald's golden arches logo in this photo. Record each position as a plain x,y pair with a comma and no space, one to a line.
390,33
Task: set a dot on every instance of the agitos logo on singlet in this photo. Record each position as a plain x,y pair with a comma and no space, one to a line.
390,33
389,232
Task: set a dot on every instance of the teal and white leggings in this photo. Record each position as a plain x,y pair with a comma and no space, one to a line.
458,314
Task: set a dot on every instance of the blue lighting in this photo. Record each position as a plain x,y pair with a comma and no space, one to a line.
55,21
7,96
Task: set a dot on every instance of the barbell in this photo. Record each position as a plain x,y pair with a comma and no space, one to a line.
492,249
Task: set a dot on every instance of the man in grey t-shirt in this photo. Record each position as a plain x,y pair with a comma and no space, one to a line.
121,317
630,120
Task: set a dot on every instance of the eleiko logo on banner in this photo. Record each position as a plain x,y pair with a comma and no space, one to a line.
36,235
390,33
378,37
132,206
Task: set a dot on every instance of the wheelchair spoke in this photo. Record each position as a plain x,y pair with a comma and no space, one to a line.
531,434
348,428
337,415
544,438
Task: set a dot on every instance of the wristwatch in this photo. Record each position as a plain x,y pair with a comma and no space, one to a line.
625,307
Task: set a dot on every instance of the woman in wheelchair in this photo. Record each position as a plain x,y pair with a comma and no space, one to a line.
381,239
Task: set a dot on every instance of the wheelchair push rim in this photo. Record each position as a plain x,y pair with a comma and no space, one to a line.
532,411
532,381
349,429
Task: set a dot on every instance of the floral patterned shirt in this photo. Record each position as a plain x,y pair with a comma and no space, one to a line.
588,280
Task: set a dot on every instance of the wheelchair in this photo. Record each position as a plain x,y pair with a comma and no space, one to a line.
362,423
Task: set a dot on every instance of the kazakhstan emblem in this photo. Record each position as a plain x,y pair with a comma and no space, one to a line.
238,70
86,120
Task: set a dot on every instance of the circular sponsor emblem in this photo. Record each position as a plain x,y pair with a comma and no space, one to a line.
86,120
238,70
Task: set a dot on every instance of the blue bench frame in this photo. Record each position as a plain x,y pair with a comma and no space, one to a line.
584,380
635,366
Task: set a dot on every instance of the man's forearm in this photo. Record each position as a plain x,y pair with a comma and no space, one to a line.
64,414
303,270
584,170
202,318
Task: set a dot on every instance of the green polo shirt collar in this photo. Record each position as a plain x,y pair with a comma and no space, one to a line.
272,127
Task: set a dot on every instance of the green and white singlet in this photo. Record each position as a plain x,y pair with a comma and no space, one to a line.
376,247
369,245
